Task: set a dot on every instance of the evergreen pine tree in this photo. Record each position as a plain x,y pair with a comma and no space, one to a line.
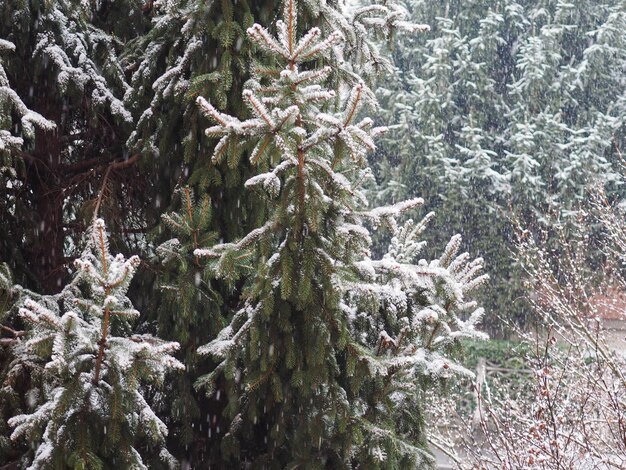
63,126
61,120
88,408
199,48
324,360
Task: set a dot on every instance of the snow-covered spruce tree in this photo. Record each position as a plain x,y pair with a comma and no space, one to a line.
62,128
324,361
201,48
90,408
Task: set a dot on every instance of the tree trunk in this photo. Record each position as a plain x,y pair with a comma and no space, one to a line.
46,254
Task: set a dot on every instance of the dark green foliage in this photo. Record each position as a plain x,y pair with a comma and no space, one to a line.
191,311
313,377
61,90
503,353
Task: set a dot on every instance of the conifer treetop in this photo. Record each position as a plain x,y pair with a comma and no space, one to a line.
388,323
294,112
93,367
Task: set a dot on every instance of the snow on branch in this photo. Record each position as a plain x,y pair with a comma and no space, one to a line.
245,242
390,213
91,364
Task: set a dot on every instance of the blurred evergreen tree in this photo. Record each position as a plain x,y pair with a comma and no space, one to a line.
505,110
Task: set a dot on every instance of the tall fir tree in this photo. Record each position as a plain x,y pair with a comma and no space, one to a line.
169,71
323,362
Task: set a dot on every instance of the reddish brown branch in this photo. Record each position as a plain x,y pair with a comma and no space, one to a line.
105,325
14,333
113,166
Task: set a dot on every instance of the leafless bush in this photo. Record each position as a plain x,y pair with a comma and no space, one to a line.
572,415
